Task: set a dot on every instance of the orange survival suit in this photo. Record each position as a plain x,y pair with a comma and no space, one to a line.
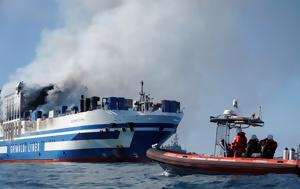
239,144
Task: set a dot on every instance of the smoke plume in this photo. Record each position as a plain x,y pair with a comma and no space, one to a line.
202,53
35,97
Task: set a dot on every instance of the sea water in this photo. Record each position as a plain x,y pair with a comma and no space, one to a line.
126,175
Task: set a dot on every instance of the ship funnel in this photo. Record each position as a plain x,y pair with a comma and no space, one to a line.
260,113
82,107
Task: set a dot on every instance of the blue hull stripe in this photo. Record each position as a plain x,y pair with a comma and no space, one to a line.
137,150
80,136
34,146
102,126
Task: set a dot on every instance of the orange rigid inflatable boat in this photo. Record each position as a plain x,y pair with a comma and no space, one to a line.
221,162
184,164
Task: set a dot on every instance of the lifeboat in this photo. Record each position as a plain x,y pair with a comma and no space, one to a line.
221,162
185,164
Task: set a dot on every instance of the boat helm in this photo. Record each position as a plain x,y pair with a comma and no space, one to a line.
270,137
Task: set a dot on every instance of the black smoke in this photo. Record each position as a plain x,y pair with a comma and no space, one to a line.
35,97
67,93
52,96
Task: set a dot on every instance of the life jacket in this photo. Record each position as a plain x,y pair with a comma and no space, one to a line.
263,142
269,144
239,142
268,147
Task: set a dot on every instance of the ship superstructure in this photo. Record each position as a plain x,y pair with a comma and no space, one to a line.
98,129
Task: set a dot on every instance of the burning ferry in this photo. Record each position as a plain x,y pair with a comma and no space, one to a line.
109,129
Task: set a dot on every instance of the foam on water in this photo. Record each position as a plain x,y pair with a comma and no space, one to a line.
125,175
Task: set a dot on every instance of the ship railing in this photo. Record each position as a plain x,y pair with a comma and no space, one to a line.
30,126
11,129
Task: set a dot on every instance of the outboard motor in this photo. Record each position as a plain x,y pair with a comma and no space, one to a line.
292,154
286,154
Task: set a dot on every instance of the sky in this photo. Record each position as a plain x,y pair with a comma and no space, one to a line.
21,24
203,53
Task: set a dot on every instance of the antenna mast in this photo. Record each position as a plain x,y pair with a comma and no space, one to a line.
260,113
142,94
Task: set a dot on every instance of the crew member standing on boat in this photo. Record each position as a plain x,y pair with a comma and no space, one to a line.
239,143
268,147
253,146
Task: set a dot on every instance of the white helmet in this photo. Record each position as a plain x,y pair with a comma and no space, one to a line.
238,130
253,137
270,137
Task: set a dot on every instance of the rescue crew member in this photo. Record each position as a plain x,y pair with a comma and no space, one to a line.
253,146
239,143
268,147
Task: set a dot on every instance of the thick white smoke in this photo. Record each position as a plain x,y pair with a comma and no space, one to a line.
192,51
